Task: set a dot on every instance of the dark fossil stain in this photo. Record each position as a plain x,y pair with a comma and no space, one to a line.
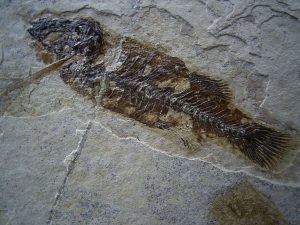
146,84
62,36
244,205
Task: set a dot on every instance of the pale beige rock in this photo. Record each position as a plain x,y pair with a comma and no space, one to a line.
120,180
32,169
125,172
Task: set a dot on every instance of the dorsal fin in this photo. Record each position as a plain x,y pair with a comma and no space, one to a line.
214,87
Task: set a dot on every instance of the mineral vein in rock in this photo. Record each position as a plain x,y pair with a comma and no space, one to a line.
147,83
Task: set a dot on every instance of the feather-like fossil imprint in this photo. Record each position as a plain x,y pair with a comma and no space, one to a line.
145,84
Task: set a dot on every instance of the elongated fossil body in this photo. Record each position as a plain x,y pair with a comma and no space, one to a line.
145,84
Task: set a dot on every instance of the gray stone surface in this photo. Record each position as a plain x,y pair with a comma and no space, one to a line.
119,180
32,168
54,170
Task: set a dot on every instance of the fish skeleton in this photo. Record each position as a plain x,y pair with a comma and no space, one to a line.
145,84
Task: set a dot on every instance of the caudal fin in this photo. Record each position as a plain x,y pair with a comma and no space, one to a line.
264,146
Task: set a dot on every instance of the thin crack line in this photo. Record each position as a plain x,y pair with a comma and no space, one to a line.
2,57
78,151
69,171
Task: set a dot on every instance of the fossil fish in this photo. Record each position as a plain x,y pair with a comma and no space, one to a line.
145,84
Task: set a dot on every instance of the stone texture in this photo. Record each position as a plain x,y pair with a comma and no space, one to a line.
121,181
244,205
118,171
32,168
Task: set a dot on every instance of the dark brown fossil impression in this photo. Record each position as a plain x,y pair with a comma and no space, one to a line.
145,84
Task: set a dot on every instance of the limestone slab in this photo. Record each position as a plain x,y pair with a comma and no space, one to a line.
32,167
121,180
126,172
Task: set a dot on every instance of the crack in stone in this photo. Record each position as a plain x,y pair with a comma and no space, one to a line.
70,170
76,154
287,5
2,57
248,10
267,95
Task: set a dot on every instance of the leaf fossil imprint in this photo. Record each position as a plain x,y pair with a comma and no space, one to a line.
146,83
